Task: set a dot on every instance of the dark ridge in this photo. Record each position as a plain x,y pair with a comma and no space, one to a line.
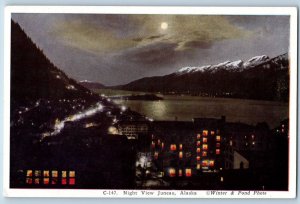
34,76
265,81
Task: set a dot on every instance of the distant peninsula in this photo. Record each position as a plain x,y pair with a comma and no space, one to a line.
144,97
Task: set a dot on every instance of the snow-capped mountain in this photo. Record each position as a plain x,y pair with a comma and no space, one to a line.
236,79
238,65
256,61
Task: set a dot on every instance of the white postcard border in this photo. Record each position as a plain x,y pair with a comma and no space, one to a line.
111,193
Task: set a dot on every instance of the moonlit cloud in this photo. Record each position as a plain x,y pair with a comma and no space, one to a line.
117,49
185,31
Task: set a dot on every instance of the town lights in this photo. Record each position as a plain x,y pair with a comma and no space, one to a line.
172,172
155,155
180,173
180,155
188,172
123,108
112,130
173,147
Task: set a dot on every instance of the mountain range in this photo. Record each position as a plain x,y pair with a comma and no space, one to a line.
238,65
261,78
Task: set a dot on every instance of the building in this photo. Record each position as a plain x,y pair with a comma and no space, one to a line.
79,158
132,129
185,149
172,148
132,124
209,144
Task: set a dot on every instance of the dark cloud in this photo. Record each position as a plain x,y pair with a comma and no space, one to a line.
116,49
198,44
155,37
154,54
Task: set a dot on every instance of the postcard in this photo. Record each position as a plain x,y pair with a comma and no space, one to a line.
150,102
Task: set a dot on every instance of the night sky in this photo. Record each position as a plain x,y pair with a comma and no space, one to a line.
117,49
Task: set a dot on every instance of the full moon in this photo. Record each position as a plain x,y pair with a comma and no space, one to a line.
164,25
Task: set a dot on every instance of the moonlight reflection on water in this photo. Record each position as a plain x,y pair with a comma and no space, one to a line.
185,108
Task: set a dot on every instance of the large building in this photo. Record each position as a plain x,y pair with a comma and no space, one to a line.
184,149
173,148
132,129
209,144
132,124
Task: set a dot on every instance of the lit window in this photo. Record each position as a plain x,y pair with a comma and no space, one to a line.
204,140
180,147
188,172
230,143
198,150
37,173
198,166
158,142
29,173
54,177
198,158
46,181
72,174
204,146
212,132
172,172
180,155
29,180
211,163
64,174
204,153
198,136
253,143
46,175
180,172
204,163
198,143
72,177
155,155
72,181
153,144
218,138
64,181
218,151
162,145
64,178
37,181
205,133
252,137
29,177
173,147
218,144
54,174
